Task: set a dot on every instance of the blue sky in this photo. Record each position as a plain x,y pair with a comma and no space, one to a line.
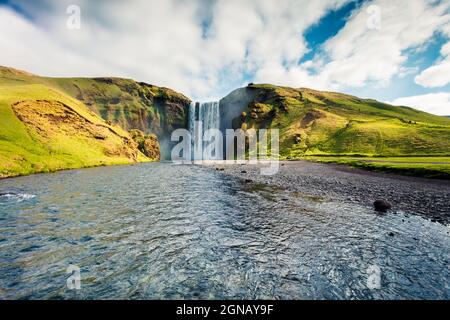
392,51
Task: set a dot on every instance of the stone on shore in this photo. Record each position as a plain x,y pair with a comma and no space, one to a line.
381,205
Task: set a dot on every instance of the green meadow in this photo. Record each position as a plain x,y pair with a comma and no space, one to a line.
427,167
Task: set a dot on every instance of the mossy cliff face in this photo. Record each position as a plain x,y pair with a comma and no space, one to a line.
326,123
130,104
147,144
123,102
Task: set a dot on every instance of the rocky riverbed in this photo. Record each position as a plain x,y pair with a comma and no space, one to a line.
191,232
408,195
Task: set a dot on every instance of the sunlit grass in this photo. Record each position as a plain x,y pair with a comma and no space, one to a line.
26,150
430,167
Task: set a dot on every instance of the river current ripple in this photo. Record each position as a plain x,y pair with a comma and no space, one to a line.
161,231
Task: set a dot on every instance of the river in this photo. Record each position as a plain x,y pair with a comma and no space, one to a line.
162,231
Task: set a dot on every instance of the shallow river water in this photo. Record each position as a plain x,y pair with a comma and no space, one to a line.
160,231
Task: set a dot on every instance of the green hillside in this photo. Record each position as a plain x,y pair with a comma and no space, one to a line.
48,124
43,130
125,102
326,124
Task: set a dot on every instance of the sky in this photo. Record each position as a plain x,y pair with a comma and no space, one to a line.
392,51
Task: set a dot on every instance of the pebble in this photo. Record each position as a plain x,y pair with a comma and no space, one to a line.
428,199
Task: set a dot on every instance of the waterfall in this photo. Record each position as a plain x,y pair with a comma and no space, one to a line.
202,117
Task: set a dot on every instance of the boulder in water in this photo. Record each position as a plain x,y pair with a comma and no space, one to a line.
381,205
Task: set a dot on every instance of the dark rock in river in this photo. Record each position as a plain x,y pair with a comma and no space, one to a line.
382,205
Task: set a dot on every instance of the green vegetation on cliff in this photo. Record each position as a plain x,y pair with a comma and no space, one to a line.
43,130
123,102
48,124
147,144
325,123
334,127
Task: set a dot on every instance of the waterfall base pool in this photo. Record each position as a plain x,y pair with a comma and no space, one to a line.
160,231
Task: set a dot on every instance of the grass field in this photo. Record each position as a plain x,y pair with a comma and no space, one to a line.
427,167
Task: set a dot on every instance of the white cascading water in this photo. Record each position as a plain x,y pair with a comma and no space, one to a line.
202,117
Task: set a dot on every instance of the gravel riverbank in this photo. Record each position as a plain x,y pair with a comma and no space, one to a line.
410,195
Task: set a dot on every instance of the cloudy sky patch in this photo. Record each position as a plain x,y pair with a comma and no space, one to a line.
381,49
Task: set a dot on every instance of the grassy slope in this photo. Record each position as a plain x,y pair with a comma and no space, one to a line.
322,123
326,124
56,132
130,104
429,167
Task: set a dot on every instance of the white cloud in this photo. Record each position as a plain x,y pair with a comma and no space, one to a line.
25,46
436,103
164,42
358,55
437,75
160,42
361,55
